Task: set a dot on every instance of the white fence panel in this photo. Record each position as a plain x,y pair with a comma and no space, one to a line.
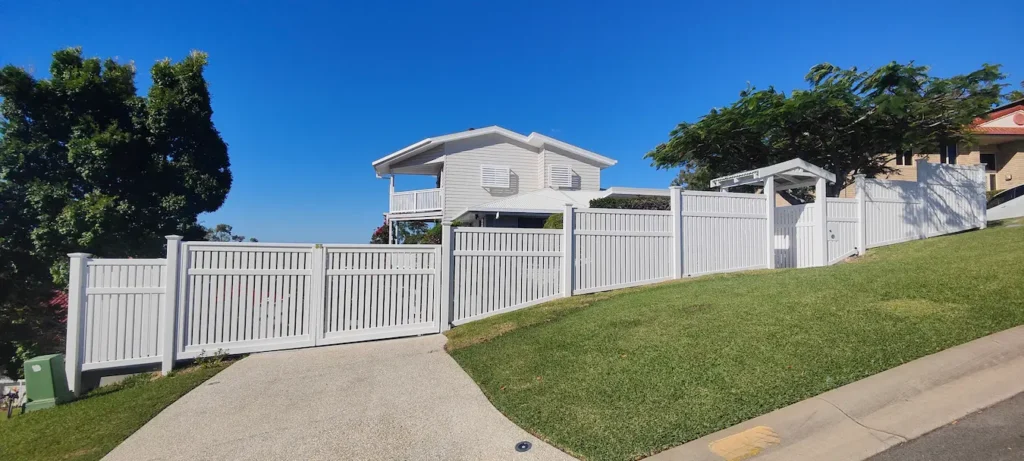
500,269
794,236
841,228
124,305
620,248
379,291
892,211
245,297
953,197
723,232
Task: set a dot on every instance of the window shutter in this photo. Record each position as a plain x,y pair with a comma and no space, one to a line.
494,176
560,176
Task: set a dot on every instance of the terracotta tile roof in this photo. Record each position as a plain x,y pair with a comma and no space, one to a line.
999,112
998,130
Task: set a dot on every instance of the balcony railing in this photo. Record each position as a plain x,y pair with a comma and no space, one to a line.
416,201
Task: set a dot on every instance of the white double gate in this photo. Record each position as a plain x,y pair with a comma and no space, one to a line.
245,297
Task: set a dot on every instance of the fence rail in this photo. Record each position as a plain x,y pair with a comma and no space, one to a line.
250,297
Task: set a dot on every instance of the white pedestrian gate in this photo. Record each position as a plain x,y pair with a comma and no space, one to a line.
794,236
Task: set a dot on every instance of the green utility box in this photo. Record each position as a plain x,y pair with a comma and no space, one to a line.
45,382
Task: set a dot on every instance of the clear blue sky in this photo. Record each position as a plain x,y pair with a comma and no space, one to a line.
306,96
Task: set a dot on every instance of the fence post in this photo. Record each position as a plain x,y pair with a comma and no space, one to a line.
316,305
675,202
921,210
982,210
862,214
170,332
769,194
820,226
77,281
447,264
568,259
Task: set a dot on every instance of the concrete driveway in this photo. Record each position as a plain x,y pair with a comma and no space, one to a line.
399,399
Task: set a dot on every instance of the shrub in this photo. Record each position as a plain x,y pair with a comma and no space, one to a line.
632,203
554,221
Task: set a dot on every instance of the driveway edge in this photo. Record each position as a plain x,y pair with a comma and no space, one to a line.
864,418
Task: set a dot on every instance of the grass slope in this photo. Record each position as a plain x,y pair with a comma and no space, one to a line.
89,428
623,375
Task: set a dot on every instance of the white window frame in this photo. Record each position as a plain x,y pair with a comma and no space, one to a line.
567,174
495,176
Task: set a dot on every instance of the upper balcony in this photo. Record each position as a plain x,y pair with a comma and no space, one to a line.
417,201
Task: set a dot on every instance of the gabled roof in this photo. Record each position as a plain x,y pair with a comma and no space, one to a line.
788,175
383,165
1006,110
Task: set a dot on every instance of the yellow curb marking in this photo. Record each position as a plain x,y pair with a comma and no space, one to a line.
745,444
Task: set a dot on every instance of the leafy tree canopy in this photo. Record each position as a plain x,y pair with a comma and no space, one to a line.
224,233
1015,95
845,122
87,164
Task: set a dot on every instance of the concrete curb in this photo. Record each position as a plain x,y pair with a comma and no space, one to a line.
861,419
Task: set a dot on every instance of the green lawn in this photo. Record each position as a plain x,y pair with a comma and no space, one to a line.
89,428
626,374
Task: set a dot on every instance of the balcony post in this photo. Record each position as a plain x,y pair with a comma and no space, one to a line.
391,194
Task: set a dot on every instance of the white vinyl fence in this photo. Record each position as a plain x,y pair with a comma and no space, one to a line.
723,232
250,297
501,269
124,301
944,199
607,243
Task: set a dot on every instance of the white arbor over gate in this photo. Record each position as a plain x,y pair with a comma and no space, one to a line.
787,175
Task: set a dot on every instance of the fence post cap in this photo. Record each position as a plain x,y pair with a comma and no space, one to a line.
675,187
173,237
446,223
80,255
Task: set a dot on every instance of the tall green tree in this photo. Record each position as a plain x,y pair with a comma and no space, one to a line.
225,233
1015,95
847,121
87,164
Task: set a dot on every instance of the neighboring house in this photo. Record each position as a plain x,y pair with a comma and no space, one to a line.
999,145
493,177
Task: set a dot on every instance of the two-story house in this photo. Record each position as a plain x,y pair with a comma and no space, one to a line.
493,177
998,144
